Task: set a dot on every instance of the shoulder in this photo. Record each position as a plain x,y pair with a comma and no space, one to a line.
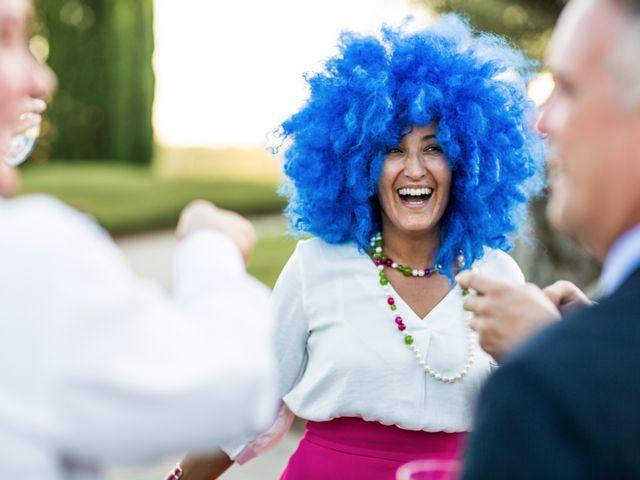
315,260
499,265
315,249
50,231
42,214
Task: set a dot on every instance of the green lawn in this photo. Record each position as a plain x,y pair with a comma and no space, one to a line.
269,257
126,198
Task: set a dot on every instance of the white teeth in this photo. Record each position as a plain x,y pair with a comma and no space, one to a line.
415,192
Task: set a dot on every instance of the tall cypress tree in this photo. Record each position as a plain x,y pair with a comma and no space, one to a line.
101,51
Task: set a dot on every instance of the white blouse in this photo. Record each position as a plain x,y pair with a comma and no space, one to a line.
100,367
341,354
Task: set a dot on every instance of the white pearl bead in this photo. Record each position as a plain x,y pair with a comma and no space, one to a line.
414,272
394,265
378,249
421,273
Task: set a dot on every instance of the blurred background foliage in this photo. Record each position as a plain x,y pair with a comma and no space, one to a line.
101,51
527,23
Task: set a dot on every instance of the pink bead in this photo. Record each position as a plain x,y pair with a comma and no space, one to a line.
399,320
390,301
402,327
427,272
378,261
388,262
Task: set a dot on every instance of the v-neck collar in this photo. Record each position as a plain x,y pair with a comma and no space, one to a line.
405,304
408,308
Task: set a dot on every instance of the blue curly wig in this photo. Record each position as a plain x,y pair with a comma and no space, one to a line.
367,96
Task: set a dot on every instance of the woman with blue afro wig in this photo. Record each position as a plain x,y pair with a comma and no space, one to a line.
413,158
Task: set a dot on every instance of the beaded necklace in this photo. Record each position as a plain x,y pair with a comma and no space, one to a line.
381,261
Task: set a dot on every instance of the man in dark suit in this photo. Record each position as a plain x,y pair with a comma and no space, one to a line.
566,404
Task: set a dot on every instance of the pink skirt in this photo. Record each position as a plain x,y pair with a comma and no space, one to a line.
351,448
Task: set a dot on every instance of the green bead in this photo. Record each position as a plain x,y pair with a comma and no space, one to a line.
466,292
384,258
383,280
393,307
408,339
407,271
377,255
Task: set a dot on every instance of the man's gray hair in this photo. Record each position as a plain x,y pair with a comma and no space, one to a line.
625,59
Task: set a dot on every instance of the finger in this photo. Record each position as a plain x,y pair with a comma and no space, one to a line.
474,304
561,292
477,323
479,282
554,293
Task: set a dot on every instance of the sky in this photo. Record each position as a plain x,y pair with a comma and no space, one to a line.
229,72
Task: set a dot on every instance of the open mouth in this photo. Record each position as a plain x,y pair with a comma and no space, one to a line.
415,197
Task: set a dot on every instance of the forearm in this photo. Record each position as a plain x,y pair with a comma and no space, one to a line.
205,467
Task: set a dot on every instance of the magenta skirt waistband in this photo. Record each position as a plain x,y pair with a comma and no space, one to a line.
351,448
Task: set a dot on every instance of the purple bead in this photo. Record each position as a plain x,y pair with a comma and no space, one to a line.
402,327
399,320
388,262
390,301
378,261
427,272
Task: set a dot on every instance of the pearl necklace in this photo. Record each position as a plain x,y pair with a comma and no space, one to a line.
381,261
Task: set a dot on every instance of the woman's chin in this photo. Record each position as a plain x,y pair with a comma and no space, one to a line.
416,229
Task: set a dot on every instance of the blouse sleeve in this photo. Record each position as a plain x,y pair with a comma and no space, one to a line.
501,266
291,350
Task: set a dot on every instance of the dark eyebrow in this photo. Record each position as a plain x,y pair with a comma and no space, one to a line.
428,137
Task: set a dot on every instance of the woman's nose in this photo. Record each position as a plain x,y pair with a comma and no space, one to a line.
414,167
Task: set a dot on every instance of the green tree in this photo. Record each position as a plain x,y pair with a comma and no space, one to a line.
528,23
101,52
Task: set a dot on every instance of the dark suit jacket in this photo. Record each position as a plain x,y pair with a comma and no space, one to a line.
567,404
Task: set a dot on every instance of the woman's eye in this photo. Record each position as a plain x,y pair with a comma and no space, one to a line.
433,149
393,150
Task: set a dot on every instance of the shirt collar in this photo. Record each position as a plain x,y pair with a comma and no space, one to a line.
621,261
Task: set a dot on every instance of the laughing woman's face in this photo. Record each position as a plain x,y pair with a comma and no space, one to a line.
414,185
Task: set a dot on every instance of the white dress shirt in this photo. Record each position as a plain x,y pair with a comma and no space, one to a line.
622,260
98,366
341,354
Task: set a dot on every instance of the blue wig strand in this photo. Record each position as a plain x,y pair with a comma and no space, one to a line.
372,91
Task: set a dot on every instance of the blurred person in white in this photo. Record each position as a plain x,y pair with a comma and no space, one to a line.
98,366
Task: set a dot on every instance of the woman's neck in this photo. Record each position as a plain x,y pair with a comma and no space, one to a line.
411,249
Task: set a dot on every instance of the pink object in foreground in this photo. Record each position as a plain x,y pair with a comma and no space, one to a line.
351,448
430,470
